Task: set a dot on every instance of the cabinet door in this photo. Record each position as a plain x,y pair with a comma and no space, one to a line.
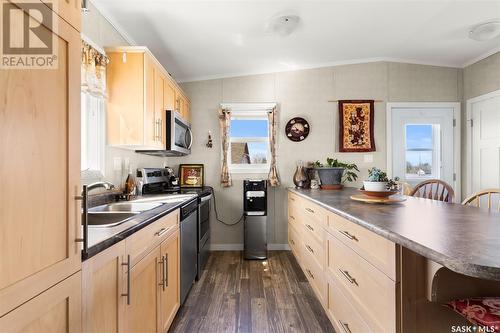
150,126
142,313
159,109
169,95
56,310
69,10
187,111
103,285
170,294
40,218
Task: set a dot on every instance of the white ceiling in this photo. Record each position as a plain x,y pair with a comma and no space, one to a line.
208,39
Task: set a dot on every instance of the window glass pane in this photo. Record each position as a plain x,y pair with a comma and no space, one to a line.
249,152
419,150
249,128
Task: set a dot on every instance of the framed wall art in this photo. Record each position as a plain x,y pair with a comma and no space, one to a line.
356,126
191,175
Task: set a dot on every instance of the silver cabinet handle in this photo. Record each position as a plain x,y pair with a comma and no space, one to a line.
292,217
166,269
160,131
292,199
161,232
310,210
348,277
348,235
309,248
345,327
162,264
85,218
309,227
310,274
128,278
291,241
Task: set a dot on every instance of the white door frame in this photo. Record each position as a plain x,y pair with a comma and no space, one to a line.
456,135
468,145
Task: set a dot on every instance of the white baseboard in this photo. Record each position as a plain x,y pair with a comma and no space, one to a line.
239,247
278,247
226,247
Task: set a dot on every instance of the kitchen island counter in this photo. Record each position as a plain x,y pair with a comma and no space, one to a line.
464,239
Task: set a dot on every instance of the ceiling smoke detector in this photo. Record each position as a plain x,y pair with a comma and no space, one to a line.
485,31
283,25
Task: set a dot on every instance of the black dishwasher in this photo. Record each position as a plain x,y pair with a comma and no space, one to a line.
189,248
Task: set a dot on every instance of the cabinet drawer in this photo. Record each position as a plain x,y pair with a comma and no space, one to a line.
311,247
372,293
307,210
140,243
376,249
343,315
293,218
310,228
316,277
293,241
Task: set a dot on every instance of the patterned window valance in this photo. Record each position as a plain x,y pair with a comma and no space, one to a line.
93,70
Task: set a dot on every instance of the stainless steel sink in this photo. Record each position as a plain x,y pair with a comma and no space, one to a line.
126,207
169,198
108,219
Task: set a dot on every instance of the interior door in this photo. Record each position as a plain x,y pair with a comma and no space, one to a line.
485,115
423,144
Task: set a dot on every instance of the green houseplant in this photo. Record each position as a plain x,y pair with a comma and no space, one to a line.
378,181
334,173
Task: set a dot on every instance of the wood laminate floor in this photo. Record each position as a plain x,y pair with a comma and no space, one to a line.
237,295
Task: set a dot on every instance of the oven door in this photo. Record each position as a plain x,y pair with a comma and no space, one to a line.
179,134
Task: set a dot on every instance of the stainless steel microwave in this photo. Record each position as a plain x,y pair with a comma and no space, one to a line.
179,137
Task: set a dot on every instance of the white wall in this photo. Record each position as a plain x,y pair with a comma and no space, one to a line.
96,28
306,93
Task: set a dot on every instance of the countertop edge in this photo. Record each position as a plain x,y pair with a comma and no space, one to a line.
469,269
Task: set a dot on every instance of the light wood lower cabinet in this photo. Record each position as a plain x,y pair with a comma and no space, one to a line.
142,314
144,297
170,289
352,271
56,310
103,284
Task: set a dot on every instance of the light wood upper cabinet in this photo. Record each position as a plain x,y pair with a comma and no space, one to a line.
69,10
170,293
139,93
104,283
143,315
40,217
56,310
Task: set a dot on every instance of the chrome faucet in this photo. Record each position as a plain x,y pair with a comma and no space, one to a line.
105,185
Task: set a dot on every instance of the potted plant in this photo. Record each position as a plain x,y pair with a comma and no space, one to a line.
334,173
378,181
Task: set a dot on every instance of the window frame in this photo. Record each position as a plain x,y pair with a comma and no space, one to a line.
249,113
436,153
100,132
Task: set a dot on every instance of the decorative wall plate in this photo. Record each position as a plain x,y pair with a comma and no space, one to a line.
297,129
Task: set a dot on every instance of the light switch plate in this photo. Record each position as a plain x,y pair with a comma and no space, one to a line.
368,158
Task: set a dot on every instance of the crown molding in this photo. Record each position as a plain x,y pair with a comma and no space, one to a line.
481,57
113,22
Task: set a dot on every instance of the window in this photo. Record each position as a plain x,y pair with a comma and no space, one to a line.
92,135
249,142
422,151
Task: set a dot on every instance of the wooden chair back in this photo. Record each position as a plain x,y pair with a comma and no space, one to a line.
434,189
475,199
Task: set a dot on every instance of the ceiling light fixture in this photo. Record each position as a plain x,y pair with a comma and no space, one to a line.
485,31
283,25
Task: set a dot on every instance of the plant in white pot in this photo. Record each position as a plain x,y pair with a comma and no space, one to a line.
378,181
334,173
